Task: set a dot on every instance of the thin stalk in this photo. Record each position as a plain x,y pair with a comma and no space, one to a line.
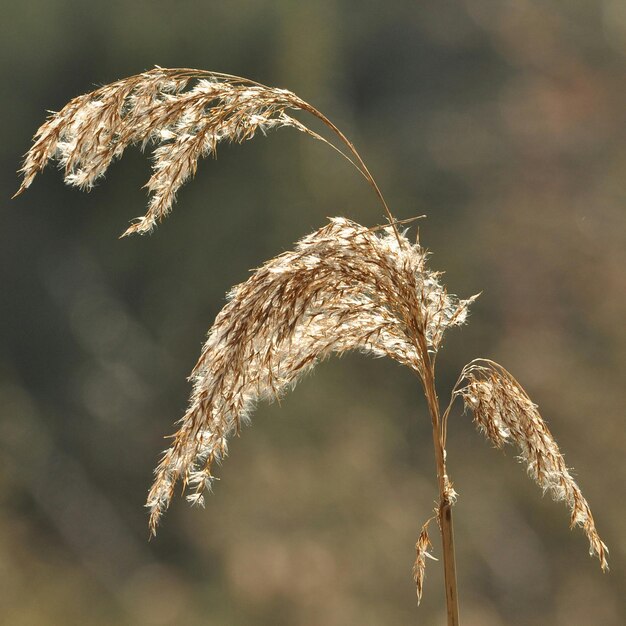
360,165
445,491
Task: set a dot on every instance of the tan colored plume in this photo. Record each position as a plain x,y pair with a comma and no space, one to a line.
344,287
183,113
505,414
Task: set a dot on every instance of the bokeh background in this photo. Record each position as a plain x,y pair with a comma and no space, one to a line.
504,122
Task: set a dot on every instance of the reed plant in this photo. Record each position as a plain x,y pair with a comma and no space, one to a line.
343,287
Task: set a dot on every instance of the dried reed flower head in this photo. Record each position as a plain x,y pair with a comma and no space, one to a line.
505,414
159,107
422,547
344,287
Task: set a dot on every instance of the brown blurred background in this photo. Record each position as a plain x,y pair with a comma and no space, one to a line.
505,123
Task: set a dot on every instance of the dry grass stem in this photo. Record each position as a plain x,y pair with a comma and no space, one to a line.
183,113
344,287
505,414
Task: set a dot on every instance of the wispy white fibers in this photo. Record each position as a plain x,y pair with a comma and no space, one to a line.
344,287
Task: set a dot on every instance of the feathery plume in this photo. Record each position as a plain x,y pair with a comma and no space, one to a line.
344,287
183,113
505,414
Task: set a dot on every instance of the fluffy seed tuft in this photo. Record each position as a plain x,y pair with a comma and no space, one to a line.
183,113
505,414
344,287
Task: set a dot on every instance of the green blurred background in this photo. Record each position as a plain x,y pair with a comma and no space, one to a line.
505,123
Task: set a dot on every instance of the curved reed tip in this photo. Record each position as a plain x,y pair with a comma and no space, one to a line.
505,414
344,287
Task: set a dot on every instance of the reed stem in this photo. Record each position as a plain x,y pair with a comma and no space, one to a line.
446,492
449,562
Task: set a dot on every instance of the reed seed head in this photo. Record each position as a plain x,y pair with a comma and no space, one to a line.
344,287
184,114
505,414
